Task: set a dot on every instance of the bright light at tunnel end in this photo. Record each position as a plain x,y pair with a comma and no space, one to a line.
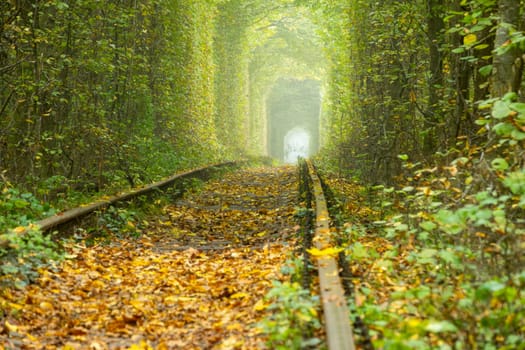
296,145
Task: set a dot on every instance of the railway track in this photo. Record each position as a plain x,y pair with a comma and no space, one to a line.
194,258
339,334
195,278
75,215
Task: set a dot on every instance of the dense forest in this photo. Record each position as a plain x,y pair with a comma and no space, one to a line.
421,101
95,95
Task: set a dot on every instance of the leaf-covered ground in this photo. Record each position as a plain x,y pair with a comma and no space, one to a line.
195,279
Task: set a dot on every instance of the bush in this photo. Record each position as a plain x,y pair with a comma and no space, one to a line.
293,318
20,209
23,251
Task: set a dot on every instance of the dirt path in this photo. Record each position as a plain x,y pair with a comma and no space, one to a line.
194,280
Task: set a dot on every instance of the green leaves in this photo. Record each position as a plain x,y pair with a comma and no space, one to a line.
515,182
501,110
499,164
23,251
20,209
485,70
294,317
440,326
428,225
450,221
426,256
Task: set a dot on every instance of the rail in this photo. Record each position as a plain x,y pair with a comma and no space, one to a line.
72,215
336,315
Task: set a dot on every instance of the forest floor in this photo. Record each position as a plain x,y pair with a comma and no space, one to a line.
219,268
195,278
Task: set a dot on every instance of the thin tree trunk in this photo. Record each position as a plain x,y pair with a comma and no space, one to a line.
507,66
435,27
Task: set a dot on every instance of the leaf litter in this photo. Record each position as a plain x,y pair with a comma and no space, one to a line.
195,279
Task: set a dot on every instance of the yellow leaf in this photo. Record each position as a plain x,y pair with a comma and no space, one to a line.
137,304
413,323
45,305
16,306
10,327
30,337
171,299
98,284
239,295
174,299
234,327
140,346
313,311
260,305
19,230
331,251
425,190
470,39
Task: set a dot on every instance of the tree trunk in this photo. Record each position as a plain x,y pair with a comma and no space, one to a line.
507,66
435,27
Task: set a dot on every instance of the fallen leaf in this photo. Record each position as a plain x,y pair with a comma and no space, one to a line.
327,252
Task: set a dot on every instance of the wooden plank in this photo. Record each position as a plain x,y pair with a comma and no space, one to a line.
337,317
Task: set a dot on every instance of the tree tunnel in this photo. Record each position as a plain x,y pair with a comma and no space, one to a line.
293,108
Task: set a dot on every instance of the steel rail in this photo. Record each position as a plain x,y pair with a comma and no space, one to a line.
82,211
336,315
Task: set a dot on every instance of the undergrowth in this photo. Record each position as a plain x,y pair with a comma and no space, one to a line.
293,320
23,247
23,251
438,260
